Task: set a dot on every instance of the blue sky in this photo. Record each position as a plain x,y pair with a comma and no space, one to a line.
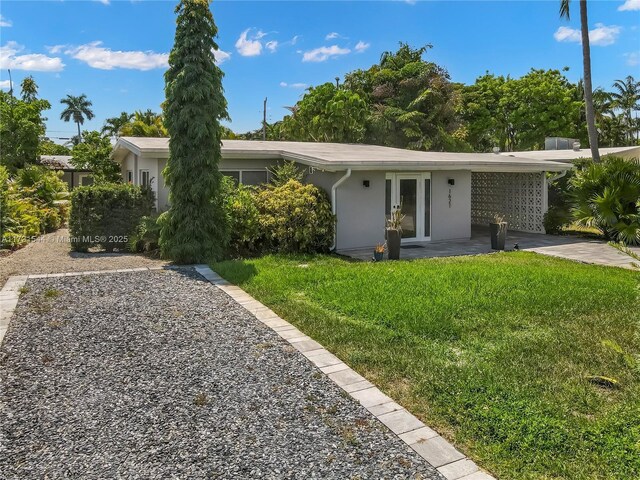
115,51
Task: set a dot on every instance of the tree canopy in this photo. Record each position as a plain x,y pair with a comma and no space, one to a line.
21,126
94,153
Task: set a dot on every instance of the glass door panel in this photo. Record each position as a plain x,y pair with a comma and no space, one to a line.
408,189
427,207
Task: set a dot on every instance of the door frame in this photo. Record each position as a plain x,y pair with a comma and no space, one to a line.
420,177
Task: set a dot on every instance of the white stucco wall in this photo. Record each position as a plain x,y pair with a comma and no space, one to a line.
360,210
450,221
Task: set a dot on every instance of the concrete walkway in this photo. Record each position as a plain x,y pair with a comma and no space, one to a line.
572,248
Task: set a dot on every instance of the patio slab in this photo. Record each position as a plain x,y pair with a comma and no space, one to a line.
569,247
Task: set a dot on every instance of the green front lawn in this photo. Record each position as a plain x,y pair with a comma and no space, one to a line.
492,351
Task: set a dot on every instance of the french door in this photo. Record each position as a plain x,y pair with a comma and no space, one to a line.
410,192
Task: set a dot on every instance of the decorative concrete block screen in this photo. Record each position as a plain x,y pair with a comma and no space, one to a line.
520,197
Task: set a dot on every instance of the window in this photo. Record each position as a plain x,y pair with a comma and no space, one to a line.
247,177
145,180
86,180
250,177
235,175
129,176
427,207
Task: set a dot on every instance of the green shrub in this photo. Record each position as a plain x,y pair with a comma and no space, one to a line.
246,238
146,236
606,196
559,212
295,218
283,172
31,203
107,215
556,218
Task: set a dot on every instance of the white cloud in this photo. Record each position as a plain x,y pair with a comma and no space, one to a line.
295,39
633,58
361,46
34,62
272,45
249,46
602,35
4,22
55,49
629,5
293,85
104,2
332,36
221,56
324,53
97,56
5,84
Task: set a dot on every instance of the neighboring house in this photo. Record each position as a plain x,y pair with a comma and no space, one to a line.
442,194
75,177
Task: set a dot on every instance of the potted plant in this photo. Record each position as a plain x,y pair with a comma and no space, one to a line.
378,252
394,233
498,231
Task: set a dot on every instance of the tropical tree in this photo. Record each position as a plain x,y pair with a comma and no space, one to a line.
626,97
195,228
29,89
586,63
412,102
77,109
113,125
518,113
21,126
49,147
144,124
94,153
327,114
606,196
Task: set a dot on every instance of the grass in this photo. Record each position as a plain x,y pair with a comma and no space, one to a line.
581,231
497,352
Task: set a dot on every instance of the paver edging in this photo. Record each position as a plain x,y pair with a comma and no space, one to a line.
450,463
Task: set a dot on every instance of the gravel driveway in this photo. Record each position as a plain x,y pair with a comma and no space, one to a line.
51,253
159,374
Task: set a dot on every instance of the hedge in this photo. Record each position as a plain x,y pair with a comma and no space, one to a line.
107,215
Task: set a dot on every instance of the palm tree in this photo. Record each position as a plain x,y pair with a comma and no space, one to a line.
586,62
145,124
113,126
78,108
29,89
626,97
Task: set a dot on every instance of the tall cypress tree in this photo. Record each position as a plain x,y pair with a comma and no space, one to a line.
195,228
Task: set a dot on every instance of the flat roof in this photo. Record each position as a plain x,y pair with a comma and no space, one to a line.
340,156
570,155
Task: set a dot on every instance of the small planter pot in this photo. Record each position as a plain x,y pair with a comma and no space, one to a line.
378,256
393,244
498,233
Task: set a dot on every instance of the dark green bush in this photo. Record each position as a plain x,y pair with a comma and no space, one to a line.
606,196
295,218
560,203
246,236
146,236
107,215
